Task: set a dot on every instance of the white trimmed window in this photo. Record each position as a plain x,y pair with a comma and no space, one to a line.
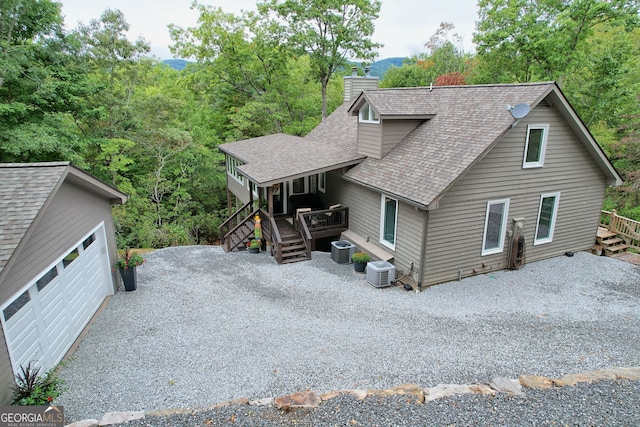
367,114
322,182
495,224
388,222
547,213
232,165
535,147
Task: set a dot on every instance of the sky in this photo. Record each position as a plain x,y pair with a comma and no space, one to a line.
403,25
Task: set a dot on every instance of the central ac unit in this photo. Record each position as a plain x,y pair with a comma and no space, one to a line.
380,273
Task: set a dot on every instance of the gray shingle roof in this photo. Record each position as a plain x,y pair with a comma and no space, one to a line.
24,189
274,158
468,120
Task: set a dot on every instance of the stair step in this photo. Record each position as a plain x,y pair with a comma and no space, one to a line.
290,260
294,254
611,241
603,233
613,249
289,249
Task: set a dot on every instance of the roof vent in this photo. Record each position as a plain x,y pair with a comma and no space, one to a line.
354,71
367,71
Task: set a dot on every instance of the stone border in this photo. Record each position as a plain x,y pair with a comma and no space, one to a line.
311,399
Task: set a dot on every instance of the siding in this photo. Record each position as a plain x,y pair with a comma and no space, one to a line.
456,228
69,217
370,140
354,85
238,190
394,131
364,219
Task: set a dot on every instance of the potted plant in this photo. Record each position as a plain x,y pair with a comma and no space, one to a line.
127,264
254,246
360,260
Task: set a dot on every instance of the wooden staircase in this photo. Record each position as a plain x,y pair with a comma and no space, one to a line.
609,243
294,250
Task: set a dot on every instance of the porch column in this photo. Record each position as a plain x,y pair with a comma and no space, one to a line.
270,200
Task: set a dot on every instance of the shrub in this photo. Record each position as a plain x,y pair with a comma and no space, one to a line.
33,389
360,257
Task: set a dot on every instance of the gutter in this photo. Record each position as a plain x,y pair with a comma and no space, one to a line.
423,248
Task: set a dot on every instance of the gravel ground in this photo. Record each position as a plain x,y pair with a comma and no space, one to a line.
207,327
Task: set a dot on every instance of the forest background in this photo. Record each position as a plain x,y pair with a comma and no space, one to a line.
92,97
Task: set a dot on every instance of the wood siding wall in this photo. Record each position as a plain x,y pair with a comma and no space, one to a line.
72,214
238,190
394,131
364,219
370,140
456,228
354,85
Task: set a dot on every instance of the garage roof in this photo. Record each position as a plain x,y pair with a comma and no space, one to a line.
27,188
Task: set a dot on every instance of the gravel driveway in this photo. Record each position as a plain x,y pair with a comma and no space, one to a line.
207,327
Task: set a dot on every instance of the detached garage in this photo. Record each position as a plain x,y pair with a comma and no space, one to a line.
57,246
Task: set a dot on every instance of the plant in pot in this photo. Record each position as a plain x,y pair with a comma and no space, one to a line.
127,264
254,246
360,260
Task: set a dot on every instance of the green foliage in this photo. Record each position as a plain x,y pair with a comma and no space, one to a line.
326,31
360,257
128,259
33,389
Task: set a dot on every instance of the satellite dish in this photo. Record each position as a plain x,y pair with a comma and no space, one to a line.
519,111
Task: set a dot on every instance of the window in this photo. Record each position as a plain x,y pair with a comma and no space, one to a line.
88,241
368,115
546,218
495,226
535,146
388,222
299,186
322,182
232,165
47,278
70,257
16,305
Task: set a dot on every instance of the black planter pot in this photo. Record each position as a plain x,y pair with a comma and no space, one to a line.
359,267
129,278
254,250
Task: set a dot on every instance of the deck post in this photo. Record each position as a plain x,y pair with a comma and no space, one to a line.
612,221
270,202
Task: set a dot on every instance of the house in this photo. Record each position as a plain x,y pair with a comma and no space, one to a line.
57,246
443,182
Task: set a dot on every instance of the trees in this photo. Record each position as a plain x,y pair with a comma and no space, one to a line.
328,31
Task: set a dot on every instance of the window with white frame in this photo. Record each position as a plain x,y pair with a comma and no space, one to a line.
367,114
322,181
536,146
495,224
547,213
388,222
232,165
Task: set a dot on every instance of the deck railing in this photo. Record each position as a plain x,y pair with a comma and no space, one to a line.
234,221
628,229
271,234
326,221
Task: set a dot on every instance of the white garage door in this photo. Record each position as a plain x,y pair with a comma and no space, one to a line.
42,322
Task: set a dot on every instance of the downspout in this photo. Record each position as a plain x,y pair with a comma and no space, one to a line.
423,248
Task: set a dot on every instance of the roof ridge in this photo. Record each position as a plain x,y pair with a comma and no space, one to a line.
545,83
34,164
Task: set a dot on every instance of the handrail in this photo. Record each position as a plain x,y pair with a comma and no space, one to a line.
326,219
304,232
227,237
225,227
628,229
271,232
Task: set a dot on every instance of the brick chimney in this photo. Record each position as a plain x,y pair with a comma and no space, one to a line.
354,84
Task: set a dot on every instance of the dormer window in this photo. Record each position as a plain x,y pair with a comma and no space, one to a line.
368,114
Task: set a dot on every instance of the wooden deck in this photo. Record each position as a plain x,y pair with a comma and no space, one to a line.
630,257
286,229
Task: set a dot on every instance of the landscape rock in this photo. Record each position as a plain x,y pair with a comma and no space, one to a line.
626,373
506,385
120,417
262,402
238,401
411,390
446,390
535,381
482,389
300,400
